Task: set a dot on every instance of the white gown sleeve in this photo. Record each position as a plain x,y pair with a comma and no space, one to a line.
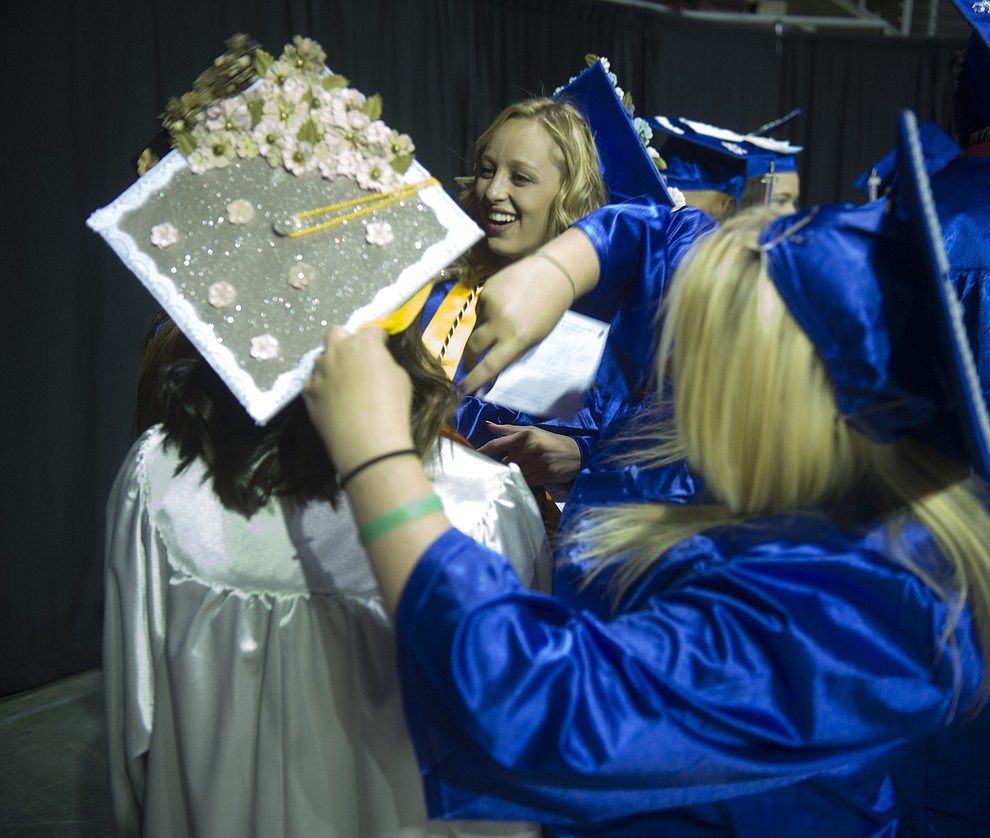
132,638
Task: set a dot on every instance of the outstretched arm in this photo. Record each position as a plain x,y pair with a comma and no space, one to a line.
359,401
523,302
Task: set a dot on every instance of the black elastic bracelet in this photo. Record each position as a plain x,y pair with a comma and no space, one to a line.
355,471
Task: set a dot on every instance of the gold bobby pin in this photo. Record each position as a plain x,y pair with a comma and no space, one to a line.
288,228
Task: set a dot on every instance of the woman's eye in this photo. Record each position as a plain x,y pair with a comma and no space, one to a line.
486,172
521,180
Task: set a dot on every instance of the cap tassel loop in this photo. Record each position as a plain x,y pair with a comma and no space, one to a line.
292,228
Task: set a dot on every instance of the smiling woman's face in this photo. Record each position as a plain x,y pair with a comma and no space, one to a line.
516,183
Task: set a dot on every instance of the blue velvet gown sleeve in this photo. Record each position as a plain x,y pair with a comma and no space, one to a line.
747,685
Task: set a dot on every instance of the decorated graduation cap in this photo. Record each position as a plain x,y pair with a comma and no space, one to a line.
286,207
869,288
701,156
976,70
627,168
937,149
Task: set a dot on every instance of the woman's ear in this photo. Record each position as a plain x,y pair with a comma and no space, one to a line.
726,205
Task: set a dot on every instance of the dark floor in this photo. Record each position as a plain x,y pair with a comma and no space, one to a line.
53,763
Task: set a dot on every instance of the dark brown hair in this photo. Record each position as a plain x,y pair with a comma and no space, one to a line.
249,463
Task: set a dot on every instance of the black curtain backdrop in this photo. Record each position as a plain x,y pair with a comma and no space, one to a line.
85,83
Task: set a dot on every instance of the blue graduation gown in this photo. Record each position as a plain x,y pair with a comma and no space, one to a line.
761,680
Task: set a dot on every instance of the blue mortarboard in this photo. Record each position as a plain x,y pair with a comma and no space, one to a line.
761,163
976,72
626,166
701,156
869,289
767,160
937,148
770,154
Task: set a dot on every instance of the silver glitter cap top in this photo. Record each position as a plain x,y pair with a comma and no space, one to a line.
295,208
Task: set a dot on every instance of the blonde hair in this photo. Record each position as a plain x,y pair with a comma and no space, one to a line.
754,415
582,188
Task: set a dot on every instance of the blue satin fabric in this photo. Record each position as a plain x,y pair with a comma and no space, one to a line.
761,680
937,147
626,166
601,482
723,174
781,678
854,279
639,245
942,785
473,413
962,198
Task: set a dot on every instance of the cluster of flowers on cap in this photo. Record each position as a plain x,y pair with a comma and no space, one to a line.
297,116
294,114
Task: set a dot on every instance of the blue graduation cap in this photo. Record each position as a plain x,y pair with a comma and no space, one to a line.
976,71
772,155
701,156
760,164
627,168
869,289
769,158
937,149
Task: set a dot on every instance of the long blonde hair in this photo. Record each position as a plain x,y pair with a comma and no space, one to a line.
754,415
572,149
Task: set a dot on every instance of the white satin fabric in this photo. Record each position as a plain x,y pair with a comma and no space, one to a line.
250,677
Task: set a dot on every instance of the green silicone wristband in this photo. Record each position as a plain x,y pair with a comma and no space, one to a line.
412,511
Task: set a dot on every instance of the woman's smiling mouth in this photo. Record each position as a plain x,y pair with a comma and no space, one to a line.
499,221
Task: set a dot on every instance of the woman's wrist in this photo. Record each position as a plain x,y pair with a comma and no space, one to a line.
353,453
386,484
398,518
346,477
